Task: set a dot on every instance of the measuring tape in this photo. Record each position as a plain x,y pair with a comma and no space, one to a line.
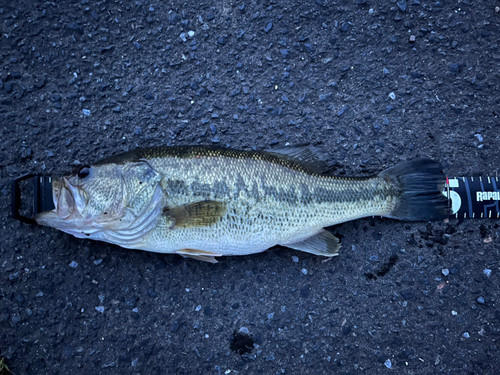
473,197
468,197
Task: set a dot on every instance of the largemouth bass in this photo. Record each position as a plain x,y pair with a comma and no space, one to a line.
204,202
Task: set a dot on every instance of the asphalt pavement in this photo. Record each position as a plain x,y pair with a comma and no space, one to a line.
371,82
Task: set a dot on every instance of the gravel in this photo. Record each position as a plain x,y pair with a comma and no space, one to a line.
281,73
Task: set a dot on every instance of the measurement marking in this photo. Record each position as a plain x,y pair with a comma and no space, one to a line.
453,182
465,215
489,182
463,178
473,215
481,215
489,215
472,179
456,215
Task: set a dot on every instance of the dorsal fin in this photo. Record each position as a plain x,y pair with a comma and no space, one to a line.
313,158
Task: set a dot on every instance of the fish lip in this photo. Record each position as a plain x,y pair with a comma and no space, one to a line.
79,198
69,201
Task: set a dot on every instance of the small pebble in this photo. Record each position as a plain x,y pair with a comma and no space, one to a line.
86,112
244,330
304,271
454,67
402,5
412,38
295,258
497,9
174,327
445,271
285,53
73,264
480,300
466,335
392,96
454,313
268,27
487,272
8,87
408,294
344,28
55,98
100,309
388,363
191,33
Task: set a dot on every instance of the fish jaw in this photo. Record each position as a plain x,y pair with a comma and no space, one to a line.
69,202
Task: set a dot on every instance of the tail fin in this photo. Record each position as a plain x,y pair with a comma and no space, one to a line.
419,184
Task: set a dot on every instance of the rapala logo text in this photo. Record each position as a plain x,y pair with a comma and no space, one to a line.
487,195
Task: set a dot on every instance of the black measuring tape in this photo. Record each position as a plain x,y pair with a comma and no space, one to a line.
468,197
42,196
473,197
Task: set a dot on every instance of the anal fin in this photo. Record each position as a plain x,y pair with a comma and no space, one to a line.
204,256
324,243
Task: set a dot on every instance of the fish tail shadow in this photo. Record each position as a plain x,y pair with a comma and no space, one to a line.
419,186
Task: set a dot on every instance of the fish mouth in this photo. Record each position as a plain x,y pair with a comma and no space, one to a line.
69,202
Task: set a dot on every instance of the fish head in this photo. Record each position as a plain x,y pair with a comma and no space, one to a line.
102,197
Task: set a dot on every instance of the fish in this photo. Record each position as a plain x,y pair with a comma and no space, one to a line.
203,202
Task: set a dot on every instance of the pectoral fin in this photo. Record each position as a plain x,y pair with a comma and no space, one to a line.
197,214
324,243
204,256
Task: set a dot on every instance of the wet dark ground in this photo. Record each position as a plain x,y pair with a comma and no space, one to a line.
84,80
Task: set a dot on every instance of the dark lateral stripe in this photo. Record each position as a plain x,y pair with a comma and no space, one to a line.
292,195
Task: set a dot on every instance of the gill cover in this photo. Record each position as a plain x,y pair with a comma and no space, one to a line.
107,202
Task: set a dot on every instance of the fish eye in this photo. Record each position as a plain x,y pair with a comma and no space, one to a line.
84,172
